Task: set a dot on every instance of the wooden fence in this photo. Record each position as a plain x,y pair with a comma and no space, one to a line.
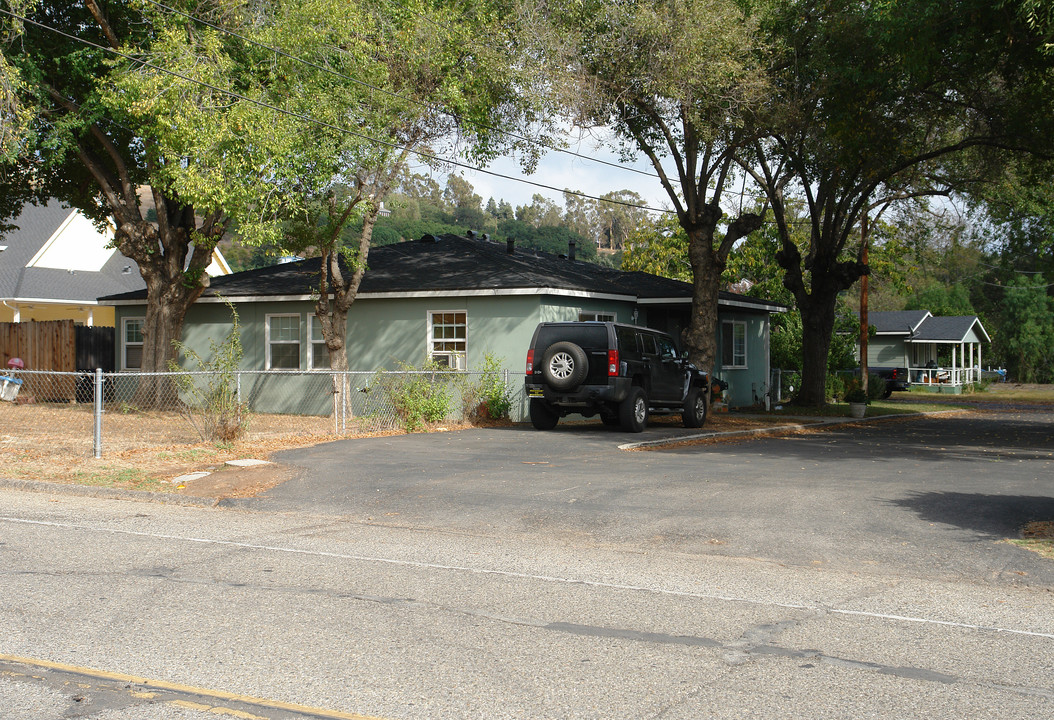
45,345
56,346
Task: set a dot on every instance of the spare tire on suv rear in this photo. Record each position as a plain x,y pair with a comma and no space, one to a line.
564,365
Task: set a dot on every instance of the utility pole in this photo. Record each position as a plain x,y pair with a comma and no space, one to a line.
863,305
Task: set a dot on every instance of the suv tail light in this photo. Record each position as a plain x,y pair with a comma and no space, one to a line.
530,361
612,363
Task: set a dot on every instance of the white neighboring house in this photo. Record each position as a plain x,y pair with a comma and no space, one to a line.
56,264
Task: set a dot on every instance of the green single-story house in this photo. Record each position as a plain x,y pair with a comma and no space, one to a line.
451,299
941,353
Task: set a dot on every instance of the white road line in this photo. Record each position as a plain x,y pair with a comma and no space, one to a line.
527,576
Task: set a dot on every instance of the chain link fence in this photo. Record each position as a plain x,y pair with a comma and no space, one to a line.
89,414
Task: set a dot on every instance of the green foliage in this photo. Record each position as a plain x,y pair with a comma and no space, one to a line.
842,354
785,340
942,300
1028,330
659,247
488,398
548,238
878,102
855,393
876,387
834,386
418,395
210,403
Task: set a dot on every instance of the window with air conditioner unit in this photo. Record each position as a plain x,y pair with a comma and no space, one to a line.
448,338
452,360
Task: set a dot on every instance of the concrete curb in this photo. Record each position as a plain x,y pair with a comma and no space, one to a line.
775,429
42,486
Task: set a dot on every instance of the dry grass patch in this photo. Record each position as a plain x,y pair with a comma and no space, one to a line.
1038,537
142,450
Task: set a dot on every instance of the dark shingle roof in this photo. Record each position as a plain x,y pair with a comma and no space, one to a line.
898,322
949,329
452,263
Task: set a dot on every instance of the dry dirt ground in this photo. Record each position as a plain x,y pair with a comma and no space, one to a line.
148,450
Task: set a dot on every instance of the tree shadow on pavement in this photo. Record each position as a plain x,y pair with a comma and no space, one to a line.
996,515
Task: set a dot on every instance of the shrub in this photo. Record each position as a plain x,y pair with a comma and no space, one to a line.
876,387
489,397
418,395
214,410
854,392
835,386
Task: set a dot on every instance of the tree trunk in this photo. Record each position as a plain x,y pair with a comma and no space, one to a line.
173,283
817,316
332,311
336,343
701,337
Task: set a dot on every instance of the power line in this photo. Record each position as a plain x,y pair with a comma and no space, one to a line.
320,123
363,83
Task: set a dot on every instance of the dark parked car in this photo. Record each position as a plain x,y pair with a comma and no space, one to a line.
620,372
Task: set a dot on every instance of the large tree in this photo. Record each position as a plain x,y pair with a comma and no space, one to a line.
878,101
349,94
675,80
88,145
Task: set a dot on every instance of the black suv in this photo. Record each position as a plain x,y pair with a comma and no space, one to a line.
621,372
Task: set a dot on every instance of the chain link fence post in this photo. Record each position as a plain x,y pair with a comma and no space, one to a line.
344,402
97,434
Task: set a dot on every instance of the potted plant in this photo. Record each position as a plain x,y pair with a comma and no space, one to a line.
857,399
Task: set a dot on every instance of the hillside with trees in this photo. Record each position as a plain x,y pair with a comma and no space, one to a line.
420,205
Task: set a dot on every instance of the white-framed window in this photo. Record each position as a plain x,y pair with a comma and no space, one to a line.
596,316
283,342
317,352
733,344
448,337
132,343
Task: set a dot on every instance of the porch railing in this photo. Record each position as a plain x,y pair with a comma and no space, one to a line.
943,376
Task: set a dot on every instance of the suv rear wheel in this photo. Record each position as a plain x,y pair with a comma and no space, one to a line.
543,417
633,412
564,365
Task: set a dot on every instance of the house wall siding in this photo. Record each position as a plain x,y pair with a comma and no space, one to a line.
886,352
384,333
746,386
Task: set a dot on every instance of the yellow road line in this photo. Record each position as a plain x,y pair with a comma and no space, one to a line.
187,689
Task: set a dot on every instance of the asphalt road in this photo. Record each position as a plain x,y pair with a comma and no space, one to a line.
856,572
932,497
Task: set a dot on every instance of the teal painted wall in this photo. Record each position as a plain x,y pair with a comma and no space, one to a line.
383,333
746,386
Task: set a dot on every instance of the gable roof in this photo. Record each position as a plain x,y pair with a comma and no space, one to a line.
954,329
454,265
55,254
898,322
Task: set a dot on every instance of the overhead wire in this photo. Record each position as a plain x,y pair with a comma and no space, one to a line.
320,123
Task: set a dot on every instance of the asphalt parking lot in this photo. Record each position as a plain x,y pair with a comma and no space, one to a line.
933,496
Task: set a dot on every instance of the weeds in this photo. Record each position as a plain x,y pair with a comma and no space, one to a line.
214,410
418,395
489,397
